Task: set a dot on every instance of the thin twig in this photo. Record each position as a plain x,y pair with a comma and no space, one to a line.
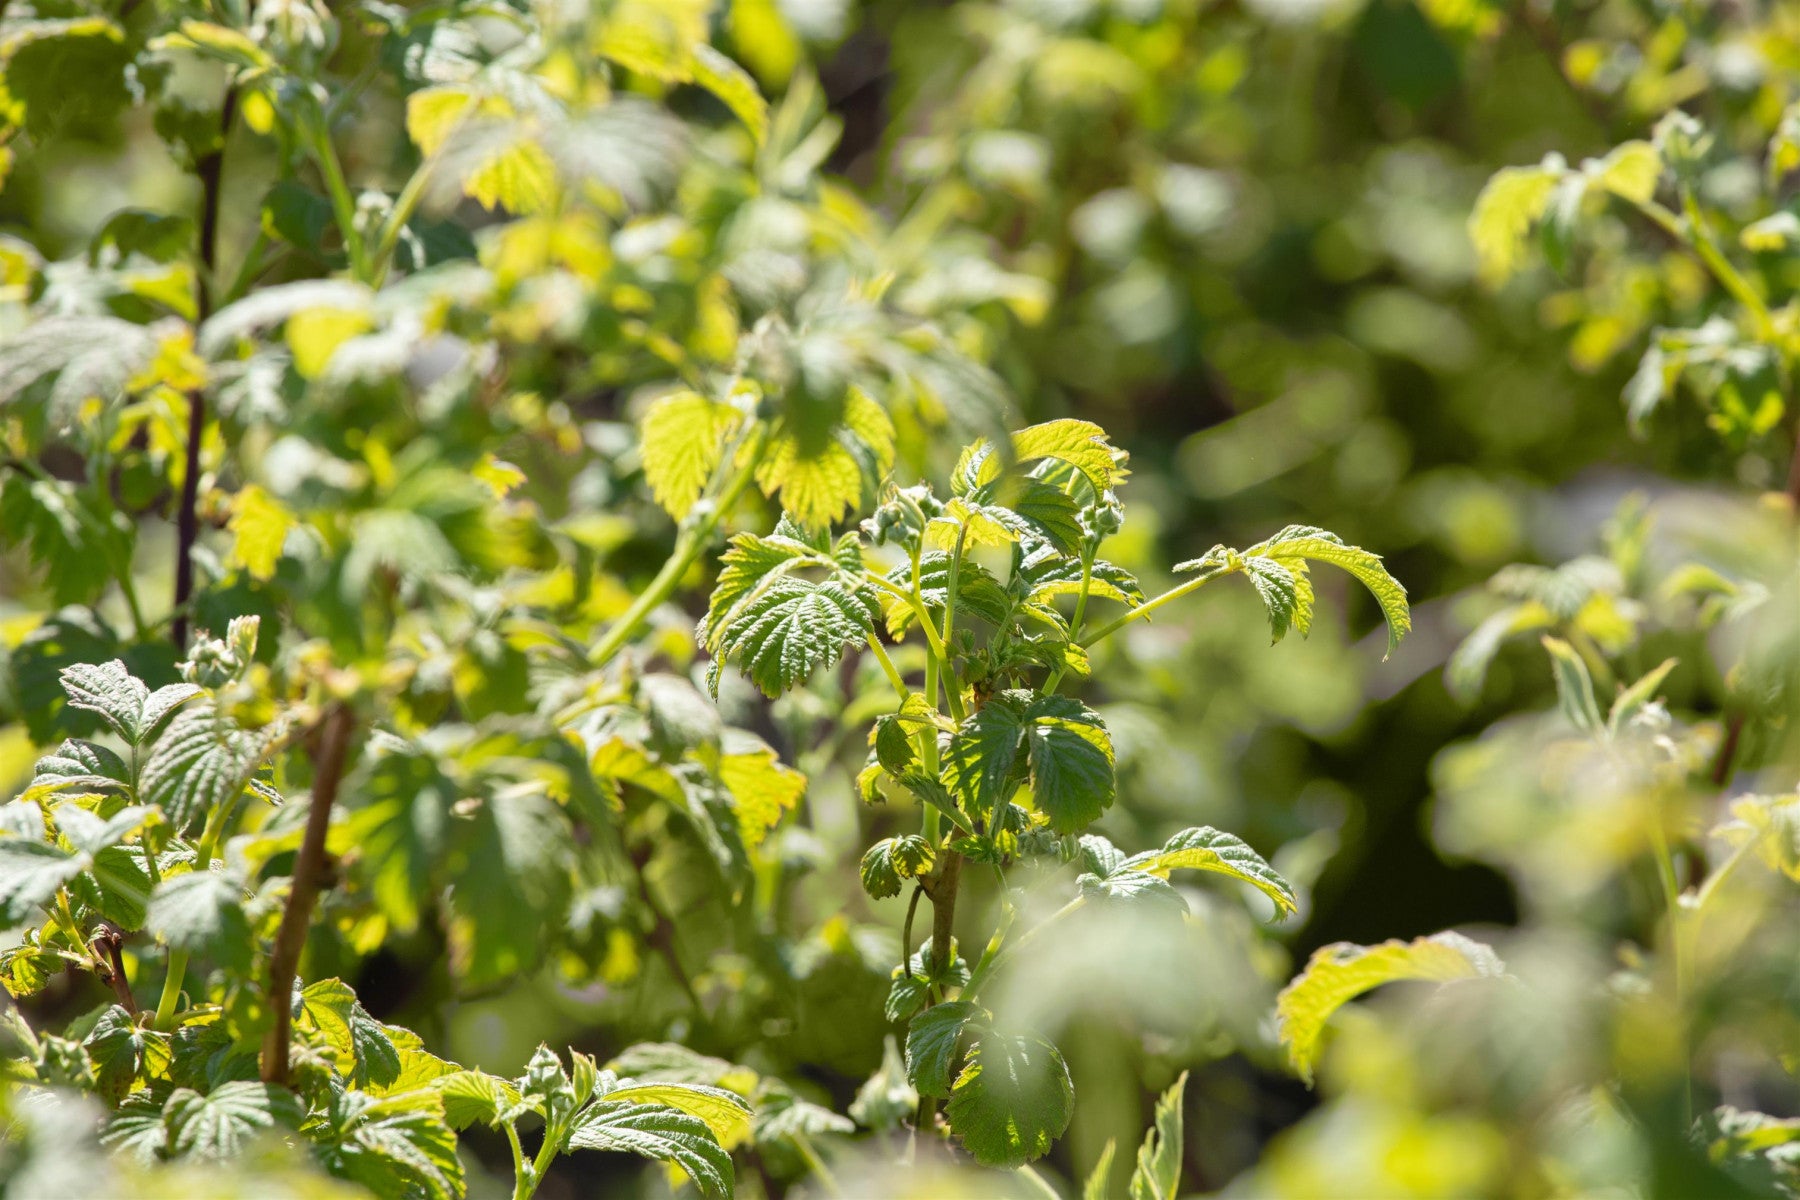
211,170
309,871
109,941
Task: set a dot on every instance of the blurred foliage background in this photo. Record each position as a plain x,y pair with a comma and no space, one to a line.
1234,234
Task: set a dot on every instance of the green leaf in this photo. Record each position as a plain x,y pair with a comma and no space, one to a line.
1150,893
1207,849
1507,208
1338,973
395,1145
1099,1180
893,860
30,874
1158,1173
221,1125
1081,444
202,913
788,628
510,874
978,593
1045,575
1296,544
116,886
978,764
659,1132
733,85
784,1115
1760,1151
818,488
726,1113
1635,698
361,1045
1574,686
122,1052
683,438
136,1130
203,760
1071,759
1287,595
931,1044
1773,824
260,525
1630,170
1467,669
762,788
83,765
472,1096
127,706
910,988
1012,1100
217,42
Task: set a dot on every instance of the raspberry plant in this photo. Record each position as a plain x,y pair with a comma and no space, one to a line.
1003,769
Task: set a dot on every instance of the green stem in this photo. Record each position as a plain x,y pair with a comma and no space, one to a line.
406,203
887,666
65,916
1728,276
178,960
343,204
688,548
816,1165
985,964
1718,877
917,604
986,967
524,1181
1671,885
1150,606
1081,602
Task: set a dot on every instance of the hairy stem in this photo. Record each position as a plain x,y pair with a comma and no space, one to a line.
178,960
1151,605
887,666
309,870
688,548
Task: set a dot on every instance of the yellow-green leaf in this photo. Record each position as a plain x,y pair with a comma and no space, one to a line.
724,1112
1339,973
215,41
1081,444
817,490
732,85
520,179
314,334
1509,205
683,438
1630,171
259,524
433,113
762,789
